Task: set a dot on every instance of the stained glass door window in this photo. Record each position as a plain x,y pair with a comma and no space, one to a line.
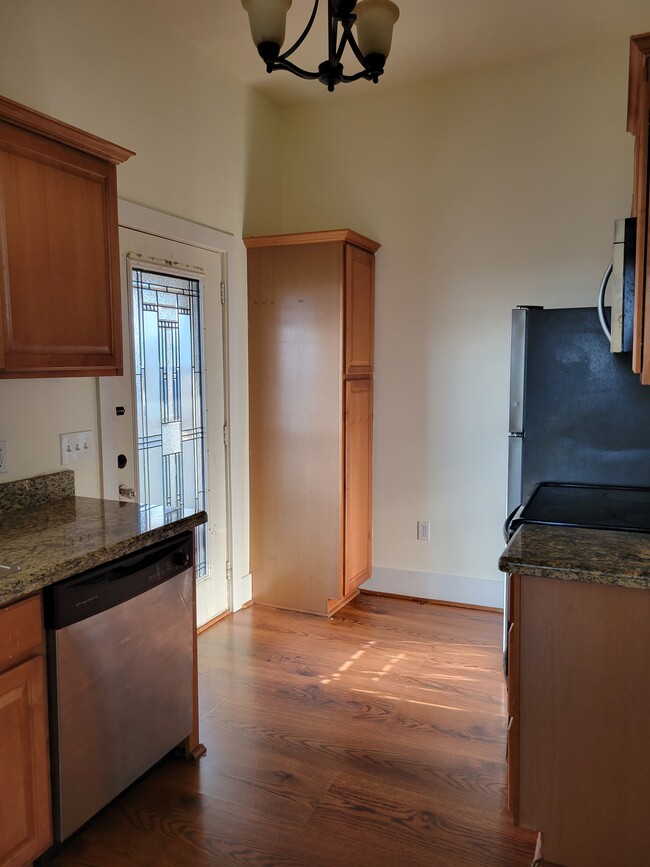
169,395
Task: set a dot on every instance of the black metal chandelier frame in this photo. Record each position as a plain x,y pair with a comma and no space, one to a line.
330,71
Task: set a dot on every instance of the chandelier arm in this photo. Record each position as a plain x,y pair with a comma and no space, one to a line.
303,35
288,66
364,73
332,25
352,42
346,36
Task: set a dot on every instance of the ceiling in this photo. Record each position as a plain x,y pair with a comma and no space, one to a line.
432,38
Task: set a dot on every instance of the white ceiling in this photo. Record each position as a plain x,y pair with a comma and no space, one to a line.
432,37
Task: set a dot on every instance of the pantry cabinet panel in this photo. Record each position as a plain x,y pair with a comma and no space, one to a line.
294,396
59,254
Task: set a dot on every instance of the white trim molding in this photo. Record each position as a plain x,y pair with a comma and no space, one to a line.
142,219
461,589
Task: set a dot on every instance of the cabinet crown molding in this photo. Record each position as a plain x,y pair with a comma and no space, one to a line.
34,121
346,235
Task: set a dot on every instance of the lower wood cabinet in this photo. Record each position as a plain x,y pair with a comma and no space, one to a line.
25,810
579,704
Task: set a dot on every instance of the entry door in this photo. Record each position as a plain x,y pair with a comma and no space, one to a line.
174,384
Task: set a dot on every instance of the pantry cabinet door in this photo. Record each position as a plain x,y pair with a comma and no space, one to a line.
358,483
359,307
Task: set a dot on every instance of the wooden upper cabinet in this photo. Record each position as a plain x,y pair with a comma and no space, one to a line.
59,249
638,121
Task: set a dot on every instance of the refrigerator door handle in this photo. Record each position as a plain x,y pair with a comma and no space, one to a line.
517,368
515,449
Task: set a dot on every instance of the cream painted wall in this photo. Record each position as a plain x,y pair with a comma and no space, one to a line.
207,150
486,191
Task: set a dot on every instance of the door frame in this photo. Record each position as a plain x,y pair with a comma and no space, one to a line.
142,219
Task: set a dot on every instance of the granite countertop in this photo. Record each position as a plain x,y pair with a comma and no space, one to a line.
575,554
56,538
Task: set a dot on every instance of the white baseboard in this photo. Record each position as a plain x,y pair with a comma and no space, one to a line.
432,585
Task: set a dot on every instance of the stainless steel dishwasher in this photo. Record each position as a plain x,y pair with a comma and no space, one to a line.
119,640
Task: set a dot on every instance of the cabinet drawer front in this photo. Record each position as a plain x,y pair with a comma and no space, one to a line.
21,631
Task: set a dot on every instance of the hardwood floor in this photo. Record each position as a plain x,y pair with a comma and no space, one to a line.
375,739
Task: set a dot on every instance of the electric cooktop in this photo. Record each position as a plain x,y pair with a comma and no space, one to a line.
602,507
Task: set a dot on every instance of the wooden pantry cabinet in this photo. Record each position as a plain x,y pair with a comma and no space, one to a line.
59,253
25,811
638,123
310,333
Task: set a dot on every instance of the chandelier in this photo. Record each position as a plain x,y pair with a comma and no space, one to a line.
373,19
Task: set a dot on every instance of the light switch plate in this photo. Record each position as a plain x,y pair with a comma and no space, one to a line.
76,447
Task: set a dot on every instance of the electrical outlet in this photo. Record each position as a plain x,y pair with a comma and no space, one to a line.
424,531
76,447
4,464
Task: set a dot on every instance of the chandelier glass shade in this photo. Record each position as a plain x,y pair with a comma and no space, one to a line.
373,21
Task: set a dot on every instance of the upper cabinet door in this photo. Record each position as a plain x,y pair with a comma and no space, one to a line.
359,311
59,254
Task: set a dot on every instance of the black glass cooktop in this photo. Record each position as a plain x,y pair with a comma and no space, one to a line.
593,506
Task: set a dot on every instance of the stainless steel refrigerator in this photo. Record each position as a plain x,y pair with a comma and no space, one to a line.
577,412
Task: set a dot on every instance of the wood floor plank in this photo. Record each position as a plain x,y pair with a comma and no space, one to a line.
425,825
373,739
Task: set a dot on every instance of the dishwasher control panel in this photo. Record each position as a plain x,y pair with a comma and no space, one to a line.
112,583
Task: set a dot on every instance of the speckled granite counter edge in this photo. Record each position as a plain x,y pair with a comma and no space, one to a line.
21,584
616,558
515,567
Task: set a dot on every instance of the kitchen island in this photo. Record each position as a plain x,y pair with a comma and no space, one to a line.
578,698
47,534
